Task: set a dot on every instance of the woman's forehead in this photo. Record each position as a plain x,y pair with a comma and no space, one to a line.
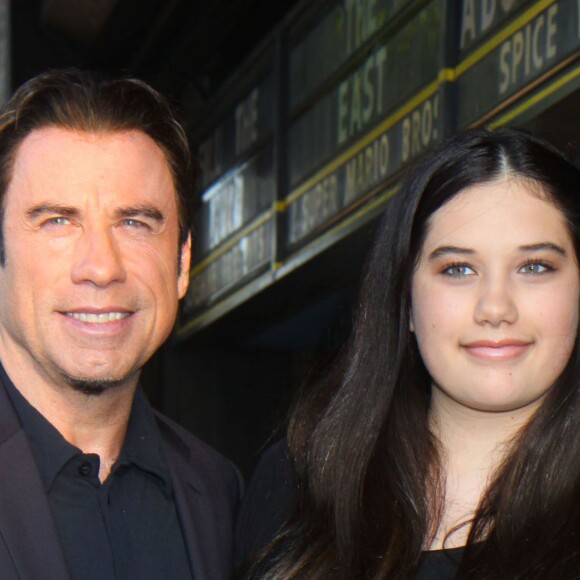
507,210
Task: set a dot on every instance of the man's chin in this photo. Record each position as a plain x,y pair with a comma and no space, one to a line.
92,386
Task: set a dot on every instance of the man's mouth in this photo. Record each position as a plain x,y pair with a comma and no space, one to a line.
98,318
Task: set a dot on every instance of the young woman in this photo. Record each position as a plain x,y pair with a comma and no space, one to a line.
445,442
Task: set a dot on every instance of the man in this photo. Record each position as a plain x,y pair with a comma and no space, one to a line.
95,178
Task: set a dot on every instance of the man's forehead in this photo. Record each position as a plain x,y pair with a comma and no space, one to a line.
51,137
55,160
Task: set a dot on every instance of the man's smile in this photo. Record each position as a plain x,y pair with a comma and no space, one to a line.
98,318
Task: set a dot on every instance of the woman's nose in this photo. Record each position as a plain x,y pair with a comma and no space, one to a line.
496,304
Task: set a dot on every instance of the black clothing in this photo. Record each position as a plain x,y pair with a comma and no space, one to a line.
206,490
123,529
268,502
439,564
270,499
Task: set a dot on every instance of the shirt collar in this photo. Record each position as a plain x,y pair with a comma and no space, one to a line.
50,449
142,446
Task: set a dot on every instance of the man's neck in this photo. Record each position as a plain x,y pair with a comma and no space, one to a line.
95,423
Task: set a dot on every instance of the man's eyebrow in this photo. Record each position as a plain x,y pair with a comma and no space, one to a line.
148,211
444,250
543,247
51,208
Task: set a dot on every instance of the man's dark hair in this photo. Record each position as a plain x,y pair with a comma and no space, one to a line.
87,102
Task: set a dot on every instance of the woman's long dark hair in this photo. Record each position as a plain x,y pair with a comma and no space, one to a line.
368,467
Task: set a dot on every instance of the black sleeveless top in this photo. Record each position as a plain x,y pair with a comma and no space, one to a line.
439,564
269,501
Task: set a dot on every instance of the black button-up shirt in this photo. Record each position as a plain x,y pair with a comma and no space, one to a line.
124,529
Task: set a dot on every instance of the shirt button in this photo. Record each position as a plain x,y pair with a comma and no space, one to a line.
85,469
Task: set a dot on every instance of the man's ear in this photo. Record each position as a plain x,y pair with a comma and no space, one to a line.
184,262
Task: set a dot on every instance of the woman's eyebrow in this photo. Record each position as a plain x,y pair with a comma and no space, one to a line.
444,250
539,247
543,247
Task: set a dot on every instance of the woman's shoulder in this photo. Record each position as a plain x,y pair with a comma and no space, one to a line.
268,502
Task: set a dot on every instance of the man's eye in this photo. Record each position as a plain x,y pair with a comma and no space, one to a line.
458,271
134,223
58,221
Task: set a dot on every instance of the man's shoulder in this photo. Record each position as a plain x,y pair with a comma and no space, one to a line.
209,464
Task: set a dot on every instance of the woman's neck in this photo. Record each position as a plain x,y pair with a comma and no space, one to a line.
473,445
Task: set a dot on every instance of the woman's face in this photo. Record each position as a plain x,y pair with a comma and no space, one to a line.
495,297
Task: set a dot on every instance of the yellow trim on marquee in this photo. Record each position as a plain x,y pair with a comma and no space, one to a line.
263,218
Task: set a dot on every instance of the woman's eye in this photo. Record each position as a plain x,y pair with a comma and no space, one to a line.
535,268
459,271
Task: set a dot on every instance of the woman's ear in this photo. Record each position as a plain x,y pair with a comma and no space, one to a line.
411,323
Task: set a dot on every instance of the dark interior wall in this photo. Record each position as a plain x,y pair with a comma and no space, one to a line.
232,399
34,47
232,382
180,46
235,393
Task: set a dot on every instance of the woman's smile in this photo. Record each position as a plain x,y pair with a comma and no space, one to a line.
497,351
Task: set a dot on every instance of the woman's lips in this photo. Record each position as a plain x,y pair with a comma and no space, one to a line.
497,351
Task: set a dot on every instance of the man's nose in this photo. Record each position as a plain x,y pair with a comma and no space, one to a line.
496,303
97,258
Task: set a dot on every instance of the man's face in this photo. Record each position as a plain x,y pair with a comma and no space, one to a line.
91,286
